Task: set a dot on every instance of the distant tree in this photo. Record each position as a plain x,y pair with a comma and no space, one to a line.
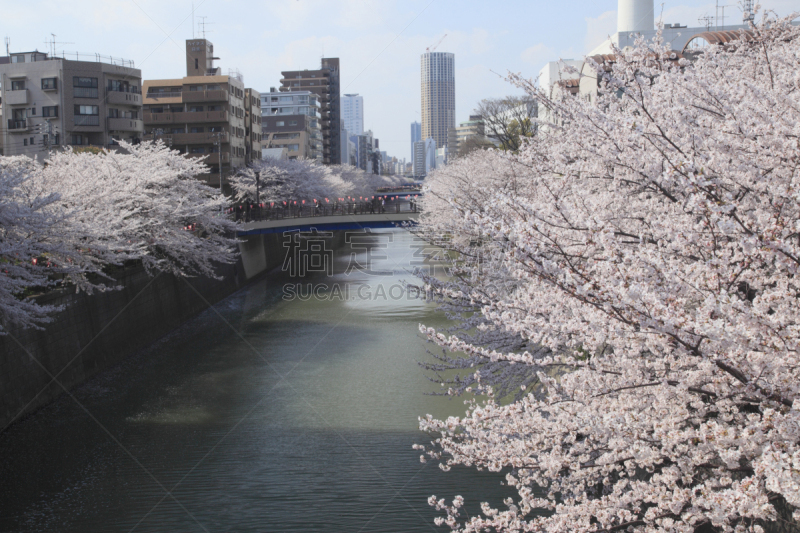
472,144
509,119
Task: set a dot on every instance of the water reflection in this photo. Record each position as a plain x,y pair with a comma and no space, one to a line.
266,415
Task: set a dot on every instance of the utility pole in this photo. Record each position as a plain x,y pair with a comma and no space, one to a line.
217,138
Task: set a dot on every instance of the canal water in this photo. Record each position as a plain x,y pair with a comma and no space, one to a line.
291,406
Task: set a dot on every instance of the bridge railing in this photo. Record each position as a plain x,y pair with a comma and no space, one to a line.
272,211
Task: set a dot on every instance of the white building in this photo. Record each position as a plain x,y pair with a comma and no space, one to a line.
353,113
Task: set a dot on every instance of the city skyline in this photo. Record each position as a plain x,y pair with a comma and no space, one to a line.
378,42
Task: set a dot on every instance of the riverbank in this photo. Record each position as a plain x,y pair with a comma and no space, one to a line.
97,331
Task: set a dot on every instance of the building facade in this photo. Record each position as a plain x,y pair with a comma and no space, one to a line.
252,125
325,83
205,114
49,102
438,96
353,113
416,135
292,120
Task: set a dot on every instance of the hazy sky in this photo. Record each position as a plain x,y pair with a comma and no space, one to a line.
379,42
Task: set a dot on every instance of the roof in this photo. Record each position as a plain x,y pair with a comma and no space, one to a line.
720,37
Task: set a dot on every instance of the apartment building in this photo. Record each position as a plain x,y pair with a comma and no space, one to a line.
204,114
49,102
292,120
323,82
252,123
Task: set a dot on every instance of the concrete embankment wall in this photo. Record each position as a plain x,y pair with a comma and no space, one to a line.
95,332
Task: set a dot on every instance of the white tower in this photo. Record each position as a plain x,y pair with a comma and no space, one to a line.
635,16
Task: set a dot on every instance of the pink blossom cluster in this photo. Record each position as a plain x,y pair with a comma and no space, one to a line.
80,212
649,240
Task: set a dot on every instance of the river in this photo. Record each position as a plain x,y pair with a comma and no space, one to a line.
274,411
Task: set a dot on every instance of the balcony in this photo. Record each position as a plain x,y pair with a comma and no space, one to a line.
123,98
163,98
179,139
125,124
213,159
18,97
220,95
188,117
18,126
84,92
87,120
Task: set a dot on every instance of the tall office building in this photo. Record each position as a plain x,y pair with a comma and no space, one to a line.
416,135
353,113
438,96
325,84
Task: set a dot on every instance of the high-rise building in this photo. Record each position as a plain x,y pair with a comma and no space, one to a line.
438,96
416,135
418,158
53,101
353,113
323,82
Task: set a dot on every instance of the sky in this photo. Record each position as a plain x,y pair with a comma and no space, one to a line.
379,42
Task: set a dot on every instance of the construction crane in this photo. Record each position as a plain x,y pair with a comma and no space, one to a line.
435,46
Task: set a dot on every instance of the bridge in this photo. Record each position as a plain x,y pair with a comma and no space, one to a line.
325,217
261,245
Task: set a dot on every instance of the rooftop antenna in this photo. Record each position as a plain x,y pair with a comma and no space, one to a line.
706,21
51,45
192,20
203,24
8,42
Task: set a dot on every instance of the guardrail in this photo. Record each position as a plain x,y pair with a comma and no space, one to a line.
277,211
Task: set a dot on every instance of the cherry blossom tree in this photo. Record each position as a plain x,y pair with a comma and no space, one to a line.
654,250
296,179
80,212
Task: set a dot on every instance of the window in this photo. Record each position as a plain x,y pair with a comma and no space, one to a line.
274,98
198,150
24,142
50,111
156,109
77,140
293,123
196,63
49,84
84,82
195,88
279,124
31,141
113,113
18,59
215,129
215,108
196,129
176,109
176,130
84,87
196,108
33,111
293,147
285,110
17,85
213,88
286,98
87,110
